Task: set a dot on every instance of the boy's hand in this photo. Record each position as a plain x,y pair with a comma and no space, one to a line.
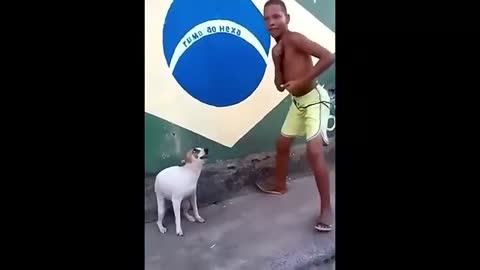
293,86
277,52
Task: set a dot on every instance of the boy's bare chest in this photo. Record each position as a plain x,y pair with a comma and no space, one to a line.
294,63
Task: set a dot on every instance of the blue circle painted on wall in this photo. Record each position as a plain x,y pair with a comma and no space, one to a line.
217,50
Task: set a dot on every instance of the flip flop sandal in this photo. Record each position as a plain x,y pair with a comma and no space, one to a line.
322,227
267,189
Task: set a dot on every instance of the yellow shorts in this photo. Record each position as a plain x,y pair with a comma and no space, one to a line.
308,115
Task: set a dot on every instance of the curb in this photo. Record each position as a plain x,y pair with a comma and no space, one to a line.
228,178
306,259
317,261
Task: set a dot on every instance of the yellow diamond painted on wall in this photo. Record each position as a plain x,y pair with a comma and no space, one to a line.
208,66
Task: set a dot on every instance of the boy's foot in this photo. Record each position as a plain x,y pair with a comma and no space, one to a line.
324,222
268,186
322,227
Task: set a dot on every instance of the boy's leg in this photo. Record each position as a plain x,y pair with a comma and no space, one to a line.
293,126
278,184
318,164
320,170
281,163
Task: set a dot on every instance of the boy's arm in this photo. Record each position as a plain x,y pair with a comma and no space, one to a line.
325,58
277,61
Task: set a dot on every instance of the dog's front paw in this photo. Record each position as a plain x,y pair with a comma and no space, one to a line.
200,219
179,232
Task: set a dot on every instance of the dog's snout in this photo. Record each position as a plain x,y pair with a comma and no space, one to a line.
206,151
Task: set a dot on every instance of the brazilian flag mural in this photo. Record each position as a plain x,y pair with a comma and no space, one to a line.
209,76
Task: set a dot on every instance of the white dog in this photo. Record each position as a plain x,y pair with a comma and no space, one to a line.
178,183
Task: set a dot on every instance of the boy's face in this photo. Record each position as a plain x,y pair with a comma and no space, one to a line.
276,20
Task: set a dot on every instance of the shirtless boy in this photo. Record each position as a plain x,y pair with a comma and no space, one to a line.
308,114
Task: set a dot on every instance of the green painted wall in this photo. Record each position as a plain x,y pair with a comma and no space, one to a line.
166,143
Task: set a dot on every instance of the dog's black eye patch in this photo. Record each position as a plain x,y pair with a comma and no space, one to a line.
196,151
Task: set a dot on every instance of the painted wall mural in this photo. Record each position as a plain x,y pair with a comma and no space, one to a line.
208,67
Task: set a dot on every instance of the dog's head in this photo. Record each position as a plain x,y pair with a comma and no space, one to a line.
196,155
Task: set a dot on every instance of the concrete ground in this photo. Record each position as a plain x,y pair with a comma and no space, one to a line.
254,231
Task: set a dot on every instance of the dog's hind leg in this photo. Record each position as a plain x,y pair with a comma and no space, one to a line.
193,201
176,210
185,208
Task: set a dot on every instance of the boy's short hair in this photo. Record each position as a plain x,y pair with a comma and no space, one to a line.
276,2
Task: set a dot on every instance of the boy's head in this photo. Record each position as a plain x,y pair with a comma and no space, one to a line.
276,17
